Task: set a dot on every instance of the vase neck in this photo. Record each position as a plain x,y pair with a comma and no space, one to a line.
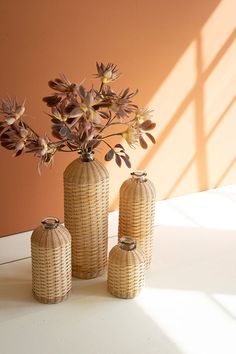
86,156
127,243
50,222
139,176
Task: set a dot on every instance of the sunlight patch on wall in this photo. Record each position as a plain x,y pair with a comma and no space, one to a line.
174,89
195,113
173,155
217,30
219,87
221,149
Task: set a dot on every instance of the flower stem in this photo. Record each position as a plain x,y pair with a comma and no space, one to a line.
108,136
101,87
107,144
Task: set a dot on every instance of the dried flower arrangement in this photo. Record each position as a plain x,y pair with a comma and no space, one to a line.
79,119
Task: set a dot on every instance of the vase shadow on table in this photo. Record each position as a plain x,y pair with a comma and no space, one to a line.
15,289
15,281
185,258
16,298
96,287
17,301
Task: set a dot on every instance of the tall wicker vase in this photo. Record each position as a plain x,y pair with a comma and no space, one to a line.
86,197
137,211
125,269
51,262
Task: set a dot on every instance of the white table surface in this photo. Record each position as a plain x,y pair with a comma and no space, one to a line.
188,305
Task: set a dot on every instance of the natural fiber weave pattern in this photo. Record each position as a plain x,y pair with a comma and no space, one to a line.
86,197
137,212
125,272
51,264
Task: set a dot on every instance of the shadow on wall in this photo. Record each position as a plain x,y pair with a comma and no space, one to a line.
172,51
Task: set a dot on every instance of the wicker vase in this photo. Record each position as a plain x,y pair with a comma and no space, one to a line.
51,262
86,196
137,211
125,269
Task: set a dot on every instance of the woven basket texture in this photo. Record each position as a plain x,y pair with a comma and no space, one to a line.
51,264
86,198
136,214
125,272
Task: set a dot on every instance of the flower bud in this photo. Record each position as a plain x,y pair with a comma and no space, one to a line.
107,76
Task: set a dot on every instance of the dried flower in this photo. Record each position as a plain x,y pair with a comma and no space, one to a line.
143,114
45,150
43,146
122,105
80,119
23,132
131,135
87,105
107,73
86,132
61,84
63,87
52,100
12,110
19,148
58,114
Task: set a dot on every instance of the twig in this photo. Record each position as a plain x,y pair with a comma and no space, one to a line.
101,87
34,132
108,136
107,144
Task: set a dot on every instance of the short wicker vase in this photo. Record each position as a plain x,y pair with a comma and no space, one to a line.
137,212
86,197
126,267
51,262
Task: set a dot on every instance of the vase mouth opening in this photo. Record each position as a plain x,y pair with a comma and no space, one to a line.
127,243
139,175
86,156
50,222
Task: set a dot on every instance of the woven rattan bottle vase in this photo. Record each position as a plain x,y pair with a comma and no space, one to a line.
137,212
126,268
86,197
51,262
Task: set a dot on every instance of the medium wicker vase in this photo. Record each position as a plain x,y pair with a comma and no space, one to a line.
51,262
137,212
86,197
126,268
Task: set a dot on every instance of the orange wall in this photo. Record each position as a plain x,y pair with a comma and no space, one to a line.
180,54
